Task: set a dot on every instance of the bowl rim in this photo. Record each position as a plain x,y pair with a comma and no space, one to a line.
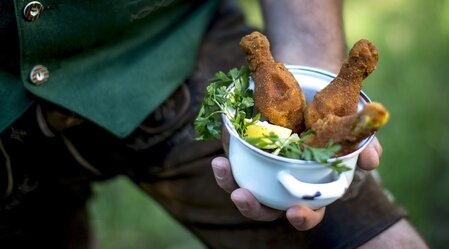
261,152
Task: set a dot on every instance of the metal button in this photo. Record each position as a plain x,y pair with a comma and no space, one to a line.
39,75
33,10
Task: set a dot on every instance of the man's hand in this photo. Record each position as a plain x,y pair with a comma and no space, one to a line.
370,157
301,217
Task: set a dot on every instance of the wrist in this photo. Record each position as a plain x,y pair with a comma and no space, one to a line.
304,32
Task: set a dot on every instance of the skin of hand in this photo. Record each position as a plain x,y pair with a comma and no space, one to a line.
301,217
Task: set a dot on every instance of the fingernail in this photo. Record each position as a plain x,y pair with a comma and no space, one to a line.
239,200
242,205
298,222
294,217
219,172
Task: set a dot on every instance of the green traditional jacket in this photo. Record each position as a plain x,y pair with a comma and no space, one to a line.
111,61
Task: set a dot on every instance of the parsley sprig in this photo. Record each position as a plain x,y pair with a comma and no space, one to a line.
237,104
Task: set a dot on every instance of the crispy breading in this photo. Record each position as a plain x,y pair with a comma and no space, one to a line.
348,131
277,94
341,96
332,114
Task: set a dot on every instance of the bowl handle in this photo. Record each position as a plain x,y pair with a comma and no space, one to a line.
313,191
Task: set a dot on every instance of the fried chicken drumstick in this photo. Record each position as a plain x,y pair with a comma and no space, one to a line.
350,130
332,114
277,94
341,96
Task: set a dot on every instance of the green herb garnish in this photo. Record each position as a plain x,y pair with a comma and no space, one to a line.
236,104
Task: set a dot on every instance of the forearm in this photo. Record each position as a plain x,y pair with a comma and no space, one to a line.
306,32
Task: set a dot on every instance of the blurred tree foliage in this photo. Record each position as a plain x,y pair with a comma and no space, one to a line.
411,80
412,37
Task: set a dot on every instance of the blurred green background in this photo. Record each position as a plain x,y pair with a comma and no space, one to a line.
412,37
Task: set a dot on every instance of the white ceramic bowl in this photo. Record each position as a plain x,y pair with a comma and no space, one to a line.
281,182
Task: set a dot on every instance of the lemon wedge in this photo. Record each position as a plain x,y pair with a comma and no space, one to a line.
263,128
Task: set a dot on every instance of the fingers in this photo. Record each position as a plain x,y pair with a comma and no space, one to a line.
249,207
223,174
245,202
369,159
301,217
304,218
